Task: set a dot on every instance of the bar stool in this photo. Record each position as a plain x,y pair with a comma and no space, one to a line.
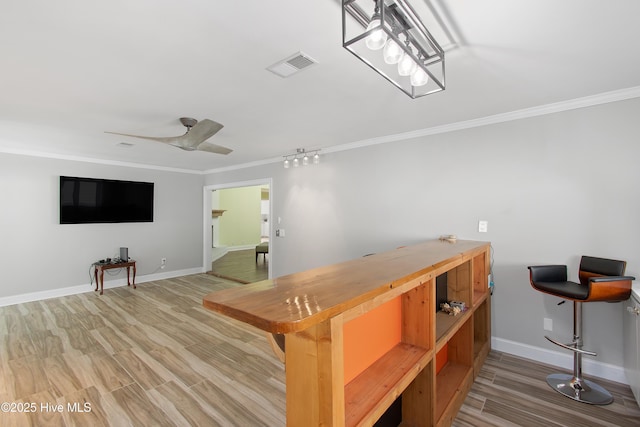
600,280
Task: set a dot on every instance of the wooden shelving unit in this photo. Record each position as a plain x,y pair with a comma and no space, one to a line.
390,299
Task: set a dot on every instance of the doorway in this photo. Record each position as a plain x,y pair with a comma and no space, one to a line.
230,246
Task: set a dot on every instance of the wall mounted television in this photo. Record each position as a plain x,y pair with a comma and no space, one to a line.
91,200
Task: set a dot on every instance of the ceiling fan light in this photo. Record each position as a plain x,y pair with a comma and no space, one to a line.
316,159
377,38
419,77
286,163
296,162
392,53
305,160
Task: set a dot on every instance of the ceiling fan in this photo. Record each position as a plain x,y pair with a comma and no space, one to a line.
194,139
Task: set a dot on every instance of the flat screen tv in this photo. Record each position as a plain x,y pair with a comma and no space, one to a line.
90,200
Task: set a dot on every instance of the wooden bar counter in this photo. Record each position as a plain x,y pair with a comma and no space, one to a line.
358,334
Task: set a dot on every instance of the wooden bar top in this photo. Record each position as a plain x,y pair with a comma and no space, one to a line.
294,302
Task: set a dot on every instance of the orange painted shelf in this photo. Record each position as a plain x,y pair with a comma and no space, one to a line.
382,383
361,347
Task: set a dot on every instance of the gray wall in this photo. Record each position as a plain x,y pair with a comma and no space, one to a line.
38,254
552,187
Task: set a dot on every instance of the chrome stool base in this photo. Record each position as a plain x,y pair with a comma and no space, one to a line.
579,389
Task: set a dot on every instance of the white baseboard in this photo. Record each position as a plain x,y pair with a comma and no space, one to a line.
591,368
108,284
218,252
242,247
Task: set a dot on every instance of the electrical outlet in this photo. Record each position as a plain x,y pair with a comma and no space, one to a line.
548,324
483,226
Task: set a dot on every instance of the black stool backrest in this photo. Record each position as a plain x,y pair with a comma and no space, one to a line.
593,267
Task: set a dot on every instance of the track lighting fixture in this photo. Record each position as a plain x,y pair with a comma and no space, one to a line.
301,157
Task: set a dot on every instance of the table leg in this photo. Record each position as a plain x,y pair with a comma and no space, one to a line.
133,282
101,281
128,284
95,277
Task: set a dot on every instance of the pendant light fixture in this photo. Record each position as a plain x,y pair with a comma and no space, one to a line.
411,59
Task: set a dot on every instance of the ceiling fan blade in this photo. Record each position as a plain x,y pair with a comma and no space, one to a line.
200,132
166,140
212,148
192,140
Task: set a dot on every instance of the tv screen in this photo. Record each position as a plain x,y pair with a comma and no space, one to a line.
90,200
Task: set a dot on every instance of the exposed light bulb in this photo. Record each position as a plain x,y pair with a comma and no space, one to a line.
286,163
392,52
406,66
296,162
419,77
377,38
305,160
316,159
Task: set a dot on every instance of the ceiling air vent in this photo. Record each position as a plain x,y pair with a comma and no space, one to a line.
291,65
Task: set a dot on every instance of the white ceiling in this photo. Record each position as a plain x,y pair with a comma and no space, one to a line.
72,69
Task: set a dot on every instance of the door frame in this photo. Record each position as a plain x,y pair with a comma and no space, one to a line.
207,220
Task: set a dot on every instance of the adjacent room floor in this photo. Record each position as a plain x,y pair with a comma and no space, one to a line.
155,356
242,266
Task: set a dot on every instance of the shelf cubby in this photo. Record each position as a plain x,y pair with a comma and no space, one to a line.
455,378
447,326
369,395
459,283
377,386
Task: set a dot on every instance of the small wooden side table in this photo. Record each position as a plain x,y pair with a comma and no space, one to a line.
101,267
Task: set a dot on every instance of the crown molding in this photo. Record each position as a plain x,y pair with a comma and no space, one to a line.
243,165
557,107
48,155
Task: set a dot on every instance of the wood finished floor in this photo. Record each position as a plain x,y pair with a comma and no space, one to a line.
241,266
146,357
155,357
512,391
